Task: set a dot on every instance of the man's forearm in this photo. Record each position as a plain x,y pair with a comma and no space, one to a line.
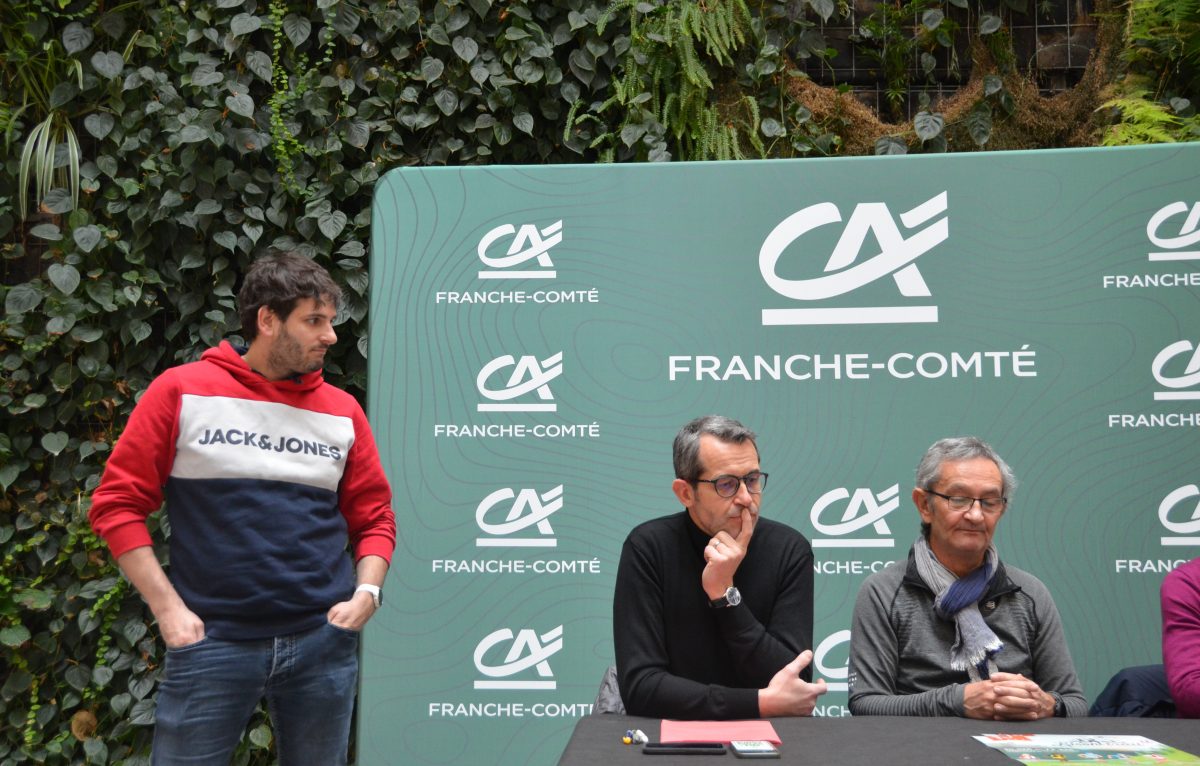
143,570
178,624
946,701
371,570
663,695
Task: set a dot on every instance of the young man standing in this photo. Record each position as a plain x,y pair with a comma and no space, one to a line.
269,475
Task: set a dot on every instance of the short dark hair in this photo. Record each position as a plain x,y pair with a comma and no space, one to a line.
953,449
278,281
687,442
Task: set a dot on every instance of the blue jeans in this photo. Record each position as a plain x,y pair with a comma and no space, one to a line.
212,687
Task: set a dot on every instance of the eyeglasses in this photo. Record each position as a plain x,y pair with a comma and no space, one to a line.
727,484
963,503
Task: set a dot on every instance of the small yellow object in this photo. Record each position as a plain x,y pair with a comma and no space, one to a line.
628,740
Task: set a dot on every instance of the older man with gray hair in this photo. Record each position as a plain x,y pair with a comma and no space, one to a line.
953,631
713,610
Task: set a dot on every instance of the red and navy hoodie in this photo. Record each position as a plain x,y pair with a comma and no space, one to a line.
266,482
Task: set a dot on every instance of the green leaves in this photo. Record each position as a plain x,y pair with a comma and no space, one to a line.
63,276
21,299
259,63
260,737
108,64
466,48
34,600
332,223
446,100
979,124
54,443
76,37
15,635
244,24
297,29
240,103
928,125
99,124
431,68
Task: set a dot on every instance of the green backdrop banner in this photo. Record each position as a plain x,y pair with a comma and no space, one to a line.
538,335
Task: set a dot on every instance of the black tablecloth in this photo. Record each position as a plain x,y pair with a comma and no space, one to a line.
866,741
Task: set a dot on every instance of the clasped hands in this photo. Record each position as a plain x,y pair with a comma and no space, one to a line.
1007,697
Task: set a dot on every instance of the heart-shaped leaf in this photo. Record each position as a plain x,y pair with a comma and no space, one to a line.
64,276
76,37
54,442
240,103
86,237
108,64
99,124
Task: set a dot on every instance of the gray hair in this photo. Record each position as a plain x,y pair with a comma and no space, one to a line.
956,448
687,442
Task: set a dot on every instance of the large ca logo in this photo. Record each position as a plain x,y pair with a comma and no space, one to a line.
896,259
834,671
1191,524
526,650
1176,237
528,376
529,244
1165,371
529,509
864,509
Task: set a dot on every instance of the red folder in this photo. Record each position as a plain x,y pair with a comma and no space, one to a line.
717,731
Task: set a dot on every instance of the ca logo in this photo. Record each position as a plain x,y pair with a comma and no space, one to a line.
1187,235
530,243
1191,526
864,509
896,258
835,674
1191,373
528,650
529,510
529,376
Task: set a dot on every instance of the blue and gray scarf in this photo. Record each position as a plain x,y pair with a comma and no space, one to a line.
975,645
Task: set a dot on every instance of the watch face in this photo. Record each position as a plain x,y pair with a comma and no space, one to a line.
733,596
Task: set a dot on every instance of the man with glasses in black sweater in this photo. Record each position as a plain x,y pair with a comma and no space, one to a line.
713,606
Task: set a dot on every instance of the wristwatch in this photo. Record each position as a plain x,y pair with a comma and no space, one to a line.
375,591
732,597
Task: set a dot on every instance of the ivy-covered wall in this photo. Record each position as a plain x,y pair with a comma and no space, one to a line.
153,147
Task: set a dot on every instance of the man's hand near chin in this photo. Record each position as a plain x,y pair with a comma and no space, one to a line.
724,554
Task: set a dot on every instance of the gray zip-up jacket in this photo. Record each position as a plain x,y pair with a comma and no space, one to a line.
900,649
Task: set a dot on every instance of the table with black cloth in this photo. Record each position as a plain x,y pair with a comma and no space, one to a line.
867,740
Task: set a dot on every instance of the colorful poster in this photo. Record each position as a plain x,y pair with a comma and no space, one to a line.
1084,748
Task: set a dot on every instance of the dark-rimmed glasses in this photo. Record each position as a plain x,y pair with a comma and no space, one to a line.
964,503
727,485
